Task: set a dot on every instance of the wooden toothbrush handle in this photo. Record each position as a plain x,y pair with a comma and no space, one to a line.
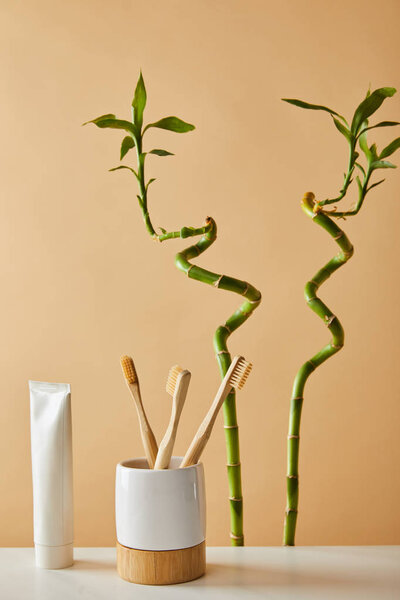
148,438
201,438
168,441
149,443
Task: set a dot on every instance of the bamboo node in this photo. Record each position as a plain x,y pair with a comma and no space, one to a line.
223,352
337,346
189,269
216,283
311,299
300,397
289,510
231,426
314,282
337,237
293,437
227,328
236,537
292,476
254,301
235,499
246,289
233,464
329,320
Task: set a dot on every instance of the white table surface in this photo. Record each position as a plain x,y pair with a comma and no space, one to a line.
308,573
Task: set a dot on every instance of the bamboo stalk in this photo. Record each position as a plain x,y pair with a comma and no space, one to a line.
335,327
252,300
208,233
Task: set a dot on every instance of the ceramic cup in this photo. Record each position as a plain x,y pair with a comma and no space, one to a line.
159,509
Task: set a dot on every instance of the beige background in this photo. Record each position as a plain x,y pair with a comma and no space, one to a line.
82,283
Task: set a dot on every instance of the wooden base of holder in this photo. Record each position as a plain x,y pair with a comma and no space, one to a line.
162,567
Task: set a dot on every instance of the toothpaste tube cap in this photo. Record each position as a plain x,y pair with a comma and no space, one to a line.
54,557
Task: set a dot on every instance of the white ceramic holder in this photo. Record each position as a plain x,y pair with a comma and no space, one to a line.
160,521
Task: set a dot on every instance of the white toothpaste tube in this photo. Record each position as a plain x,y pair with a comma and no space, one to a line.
51,447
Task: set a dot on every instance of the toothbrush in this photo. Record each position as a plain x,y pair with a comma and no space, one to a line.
177,386
235,377
132,381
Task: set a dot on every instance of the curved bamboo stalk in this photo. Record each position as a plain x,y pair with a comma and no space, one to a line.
346,251
252,300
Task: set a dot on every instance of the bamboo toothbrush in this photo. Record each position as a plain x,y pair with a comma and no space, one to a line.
132,381
177,386
235,377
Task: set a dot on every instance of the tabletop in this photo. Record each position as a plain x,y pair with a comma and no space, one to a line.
303,572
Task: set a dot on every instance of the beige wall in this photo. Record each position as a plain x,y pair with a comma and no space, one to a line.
82,283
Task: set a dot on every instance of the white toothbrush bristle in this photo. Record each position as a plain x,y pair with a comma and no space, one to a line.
172,379
240,374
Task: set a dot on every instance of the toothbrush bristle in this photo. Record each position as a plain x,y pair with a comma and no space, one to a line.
172,379
240,374
128,369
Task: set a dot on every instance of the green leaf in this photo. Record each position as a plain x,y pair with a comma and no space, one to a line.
375,184
127,143
363,142
159,152
172,124
373,153
343,130
381,124
369,105
361,168
391,148
382,164
359,184
111,122
125,167
302,104
149,182
162,230
139,102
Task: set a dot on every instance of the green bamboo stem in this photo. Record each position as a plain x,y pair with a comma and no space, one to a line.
252,300
346,251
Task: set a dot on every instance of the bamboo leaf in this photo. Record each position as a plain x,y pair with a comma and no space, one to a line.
111,122
361,168
162,230
159,152
391,148
127,143
171,124
149,182
359,184
362,140
375,184
370,105
125,167
381,124
343,130
139,102
373,152
382,164
309,106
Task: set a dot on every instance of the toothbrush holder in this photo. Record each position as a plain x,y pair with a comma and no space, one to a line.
160,522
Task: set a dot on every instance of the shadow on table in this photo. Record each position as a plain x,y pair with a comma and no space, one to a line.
243,576
94,565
